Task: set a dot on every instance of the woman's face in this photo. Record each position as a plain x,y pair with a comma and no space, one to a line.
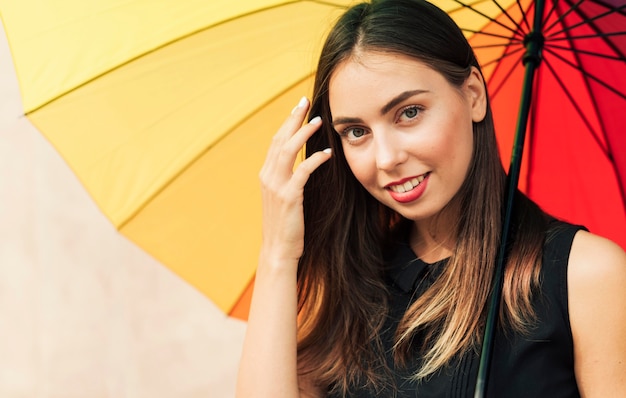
406,132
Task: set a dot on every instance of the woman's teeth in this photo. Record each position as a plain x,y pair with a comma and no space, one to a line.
409,185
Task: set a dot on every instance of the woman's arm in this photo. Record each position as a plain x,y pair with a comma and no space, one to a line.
597,307
269,361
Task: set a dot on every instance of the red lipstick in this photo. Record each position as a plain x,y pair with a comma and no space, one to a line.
417,188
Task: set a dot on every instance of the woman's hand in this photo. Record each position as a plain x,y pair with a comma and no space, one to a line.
269,360
282,186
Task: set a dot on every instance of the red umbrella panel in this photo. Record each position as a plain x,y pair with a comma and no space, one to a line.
574,162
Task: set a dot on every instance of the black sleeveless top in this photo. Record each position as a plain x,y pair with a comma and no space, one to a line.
536,365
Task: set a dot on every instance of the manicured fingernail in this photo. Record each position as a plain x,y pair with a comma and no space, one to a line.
315,120
301,104
327,150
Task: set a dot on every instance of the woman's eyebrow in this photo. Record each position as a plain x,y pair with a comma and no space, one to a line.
347,120
398,99
384,110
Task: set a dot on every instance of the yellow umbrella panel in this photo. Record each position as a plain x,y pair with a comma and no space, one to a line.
164,109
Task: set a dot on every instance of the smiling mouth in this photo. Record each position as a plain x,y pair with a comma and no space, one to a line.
408,185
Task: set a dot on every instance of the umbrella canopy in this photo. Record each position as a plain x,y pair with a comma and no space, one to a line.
164,109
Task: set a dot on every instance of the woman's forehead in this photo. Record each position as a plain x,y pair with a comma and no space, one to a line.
381,75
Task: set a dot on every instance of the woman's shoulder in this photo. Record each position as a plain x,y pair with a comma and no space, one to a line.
596,271
596,275
583,264
596,281
594,258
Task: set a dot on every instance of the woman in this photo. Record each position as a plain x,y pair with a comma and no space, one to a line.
379,248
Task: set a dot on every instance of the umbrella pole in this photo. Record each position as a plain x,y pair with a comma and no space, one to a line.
532,58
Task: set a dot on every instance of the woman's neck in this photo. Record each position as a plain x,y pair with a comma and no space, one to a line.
433,240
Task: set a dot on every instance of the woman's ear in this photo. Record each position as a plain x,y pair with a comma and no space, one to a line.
477,94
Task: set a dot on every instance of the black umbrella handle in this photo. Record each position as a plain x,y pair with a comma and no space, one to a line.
534,44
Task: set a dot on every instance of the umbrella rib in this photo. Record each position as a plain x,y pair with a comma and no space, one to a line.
592,53
499,59
605,4
587,74
321,2
562,16
524,15
573,101
508,74
487,17
586,20
509,17
520,48
480,32
591,36
159,47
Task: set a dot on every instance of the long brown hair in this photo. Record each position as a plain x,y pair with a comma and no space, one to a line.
342,294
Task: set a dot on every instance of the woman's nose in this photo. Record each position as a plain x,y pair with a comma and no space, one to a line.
389,151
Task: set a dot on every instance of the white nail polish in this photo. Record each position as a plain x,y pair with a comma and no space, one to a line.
301,104
327,150
315,120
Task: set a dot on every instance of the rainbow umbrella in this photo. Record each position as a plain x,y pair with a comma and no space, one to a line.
164,109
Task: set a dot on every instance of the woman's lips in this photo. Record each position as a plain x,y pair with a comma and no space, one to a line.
409,189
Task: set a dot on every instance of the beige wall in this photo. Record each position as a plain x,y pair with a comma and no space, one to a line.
83,312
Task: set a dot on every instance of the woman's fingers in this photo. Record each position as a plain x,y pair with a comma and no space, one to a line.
287,144
289,126
308,166
290,149
294,120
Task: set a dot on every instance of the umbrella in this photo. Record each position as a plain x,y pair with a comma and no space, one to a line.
163,110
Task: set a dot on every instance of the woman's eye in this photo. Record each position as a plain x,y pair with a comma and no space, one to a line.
356,132
409,113
353,133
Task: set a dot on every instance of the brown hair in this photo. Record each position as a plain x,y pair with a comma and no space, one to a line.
342,294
